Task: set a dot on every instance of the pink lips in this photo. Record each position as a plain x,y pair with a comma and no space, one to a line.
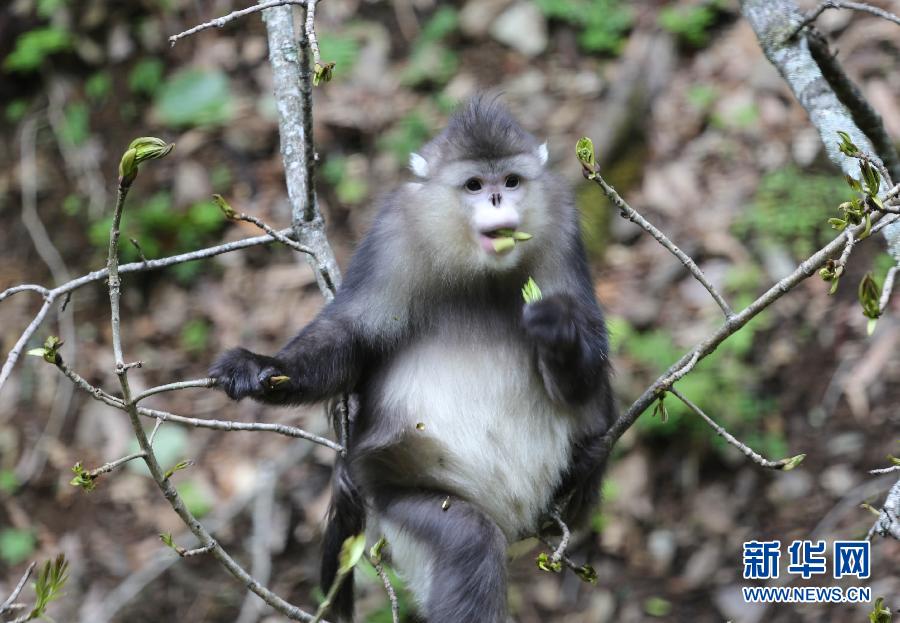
487,243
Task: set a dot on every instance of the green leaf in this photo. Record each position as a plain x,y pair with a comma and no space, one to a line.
853,183
880,613
792,462
146,76
49,351
195,97
322,73
587,574
376,551
225,207
869,293
49,584
82,478
531,293
545,563
351,552
660,409
197,498
180,465
846,146
16,545
871,177
33,47
584,151
657,606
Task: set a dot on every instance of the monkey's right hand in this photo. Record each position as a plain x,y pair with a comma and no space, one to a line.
241,374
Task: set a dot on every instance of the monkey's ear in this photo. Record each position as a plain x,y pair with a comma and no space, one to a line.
542,153
418,165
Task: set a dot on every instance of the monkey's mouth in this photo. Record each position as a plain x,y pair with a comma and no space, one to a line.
501,240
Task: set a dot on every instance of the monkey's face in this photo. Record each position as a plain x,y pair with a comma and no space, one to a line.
489,208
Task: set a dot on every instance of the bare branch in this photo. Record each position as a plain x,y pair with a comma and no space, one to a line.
560,549
171,494
814,14
885,470
219,22
98,275
378,563
170,387
864,115
25,287
108,467
293,93
222,425
732,326
731,439
888,523
310,27
632,215
320,267
17,348
7,605
887,288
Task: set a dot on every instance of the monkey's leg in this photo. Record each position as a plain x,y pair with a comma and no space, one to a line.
451,554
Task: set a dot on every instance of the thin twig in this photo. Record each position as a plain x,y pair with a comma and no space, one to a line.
887,288
814,14
7,605
310,26
560,550
732,326
133,267
222,425
108,467
25,287
731,439
632,215
159,476
571,564
885,470
378,563
320,267
888,523
188,553
171,387
219,22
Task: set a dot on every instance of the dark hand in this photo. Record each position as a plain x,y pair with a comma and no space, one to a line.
241,374
552,323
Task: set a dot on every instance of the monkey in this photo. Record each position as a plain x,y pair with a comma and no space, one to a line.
475,414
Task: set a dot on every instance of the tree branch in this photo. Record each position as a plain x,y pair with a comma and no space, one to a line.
632,215
219,22
731,439
813,15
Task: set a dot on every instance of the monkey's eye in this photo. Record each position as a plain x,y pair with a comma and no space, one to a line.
473,185
512,181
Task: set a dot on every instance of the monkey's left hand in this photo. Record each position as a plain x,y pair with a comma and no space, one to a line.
241,374
552,323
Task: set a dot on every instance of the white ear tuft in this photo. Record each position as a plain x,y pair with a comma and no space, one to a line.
542,153
418,165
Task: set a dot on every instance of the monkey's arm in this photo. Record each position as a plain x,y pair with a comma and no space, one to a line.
323,360
570,346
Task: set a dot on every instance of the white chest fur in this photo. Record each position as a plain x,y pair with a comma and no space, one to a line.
504,444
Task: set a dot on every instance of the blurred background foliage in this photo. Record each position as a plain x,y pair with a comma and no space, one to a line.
693,126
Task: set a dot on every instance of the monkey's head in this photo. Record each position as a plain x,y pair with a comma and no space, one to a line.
481,185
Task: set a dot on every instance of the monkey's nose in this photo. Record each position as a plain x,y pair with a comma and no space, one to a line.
496,198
